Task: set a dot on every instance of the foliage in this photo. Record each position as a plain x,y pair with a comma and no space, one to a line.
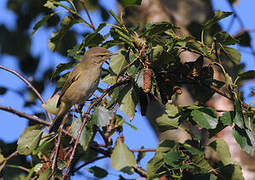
146,64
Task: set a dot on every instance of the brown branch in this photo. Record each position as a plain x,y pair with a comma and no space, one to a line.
87,12
94,103
9,157
24,115
144,150
30,117
140,171
29,85
54,163
75,146
88,162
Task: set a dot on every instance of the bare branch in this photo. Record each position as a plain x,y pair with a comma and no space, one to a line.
24,115
87,12
54,163
88,162
29,85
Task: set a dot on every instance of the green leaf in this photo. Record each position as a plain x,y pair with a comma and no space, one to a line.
205,117
165,122
245,138
76,52
169,120
62,67
118,61
110,79
202,163
217,17
225,39
222,150
29,140
38,167
165,146
171,110
126,3
87,132
98,172
227,118
41,22
157,28
128,101
174,159
238,118
51,104
45,146
122,158
154,165
2,162
122,36
140,155
50,4
46,174
246,76
92,40
233,54
244,38
65,25
101,116
232,172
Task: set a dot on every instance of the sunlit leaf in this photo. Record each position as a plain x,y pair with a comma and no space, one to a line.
102,116
128,101
87,132
122,158
222,150
51,104
217,17
29,140
118,61
205,117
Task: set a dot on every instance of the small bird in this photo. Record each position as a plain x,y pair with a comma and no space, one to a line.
81,83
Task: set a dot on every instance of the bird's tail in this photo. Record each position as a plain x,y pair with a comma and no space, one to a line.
63,109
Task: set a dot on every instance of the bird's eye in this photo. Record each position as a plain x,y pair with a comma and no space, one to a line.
102,56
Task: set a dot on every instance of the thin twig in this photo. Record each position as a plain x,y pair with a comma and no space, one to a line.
85,8
143,150
88,162
29,85
241,24
54,163
24,115
140,171
30,117
9,157
75,146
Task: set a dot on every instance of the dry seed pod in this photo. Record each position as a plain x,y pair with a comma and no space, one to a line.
147,80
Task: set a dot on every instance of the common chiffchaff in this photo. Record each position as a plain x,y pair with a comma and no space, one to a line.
81,83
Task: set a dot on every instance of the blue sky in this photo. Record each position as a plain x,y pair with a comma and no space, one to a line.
12,126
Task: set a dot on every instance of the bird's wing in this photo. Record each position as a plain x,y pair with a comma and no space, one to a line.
73,76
